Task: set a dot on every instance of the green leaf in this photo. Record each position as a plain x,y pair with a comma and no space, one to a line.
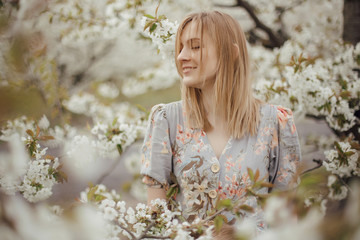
91,193
32,148
149,16
114,121
251,174
153,27
38,186
293,100
99,197
218,222
225,203
349,153
119,148
343,84
338,147
172,191
345,94
328,107
358,59
162,17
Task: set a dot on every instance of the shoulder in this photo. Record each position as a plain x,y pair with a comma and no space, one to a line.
277,111
169,110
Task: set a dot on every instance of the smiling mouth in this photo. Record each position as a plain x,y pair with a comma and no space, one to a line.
188,69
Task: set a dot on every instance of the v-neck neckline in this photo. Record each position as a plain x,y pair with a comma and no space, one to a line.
207,141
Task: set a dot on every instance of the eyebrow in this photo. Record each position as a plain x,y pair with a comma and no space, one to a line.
191,40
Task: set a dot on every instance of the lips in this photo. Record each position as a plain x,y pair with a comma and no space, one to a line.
187,69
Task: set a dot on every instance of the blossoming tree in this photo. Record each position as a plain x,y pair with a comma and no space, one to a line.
88,62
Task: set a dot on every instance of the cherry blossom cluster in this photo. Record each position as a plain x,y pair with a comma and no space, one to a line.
82,19
160,76
33,174
343,160
116,126
318,87
143,221
162,33
89,105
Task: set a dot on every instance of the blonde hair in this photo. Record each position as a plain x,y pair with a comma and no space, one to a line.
232,88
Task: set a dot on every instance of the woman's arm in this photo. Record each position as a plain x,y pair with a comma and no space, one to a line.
154,193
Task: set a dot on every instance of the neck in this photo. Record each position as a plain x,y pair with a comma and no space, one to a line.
208,98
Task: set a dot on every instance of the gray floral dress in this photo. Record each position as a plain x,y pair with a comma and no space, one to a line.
169,146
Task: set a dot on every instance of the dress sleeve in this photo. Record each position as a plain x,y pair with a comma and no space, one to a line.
156,150
286,156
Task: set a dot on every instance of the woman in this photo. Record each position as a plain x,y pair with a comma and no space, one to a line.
218,130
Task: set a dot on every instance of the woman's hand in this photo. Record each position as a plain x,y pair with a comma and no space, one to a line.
154,193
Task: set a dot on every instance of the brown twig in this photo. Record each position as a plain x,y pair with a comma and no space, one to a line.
155,237
144,235
110,170
126,229
146,230
211,217
318,161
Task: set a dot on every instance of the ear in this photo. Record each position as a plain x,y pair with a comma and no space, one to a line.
236,50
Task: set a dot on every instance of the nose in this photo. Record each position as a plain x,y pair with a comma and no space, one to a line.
184,55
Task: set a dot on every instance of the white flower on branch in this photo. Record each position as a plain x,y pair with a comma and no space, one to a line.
37,184
162,75
337,190
342,161
13,165
44,123
276,213
108,90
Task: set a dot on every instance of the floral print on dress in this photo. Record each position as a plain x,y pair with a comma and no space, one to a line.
171,147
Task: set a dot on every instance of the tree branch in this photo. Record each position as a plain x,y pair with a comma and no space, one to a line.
209,218
318,161
128,231
146,230
275,40
110,169
155,237
354,130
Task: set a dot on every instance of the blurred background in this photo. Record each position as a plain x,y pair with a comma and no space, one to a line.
78,79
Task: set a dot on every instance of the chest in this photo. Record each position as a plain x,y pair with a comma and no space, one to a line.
218,139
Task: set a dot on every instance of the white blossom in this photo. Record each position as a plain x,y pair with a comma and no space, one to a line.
336,192
276,212
337,166
13,165
44,123
108,90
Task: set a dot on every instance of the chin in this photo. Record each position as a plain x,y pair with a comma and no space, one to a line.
191,83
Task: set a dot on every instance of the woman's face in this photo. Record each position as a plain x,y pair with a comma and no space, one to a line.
190,55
